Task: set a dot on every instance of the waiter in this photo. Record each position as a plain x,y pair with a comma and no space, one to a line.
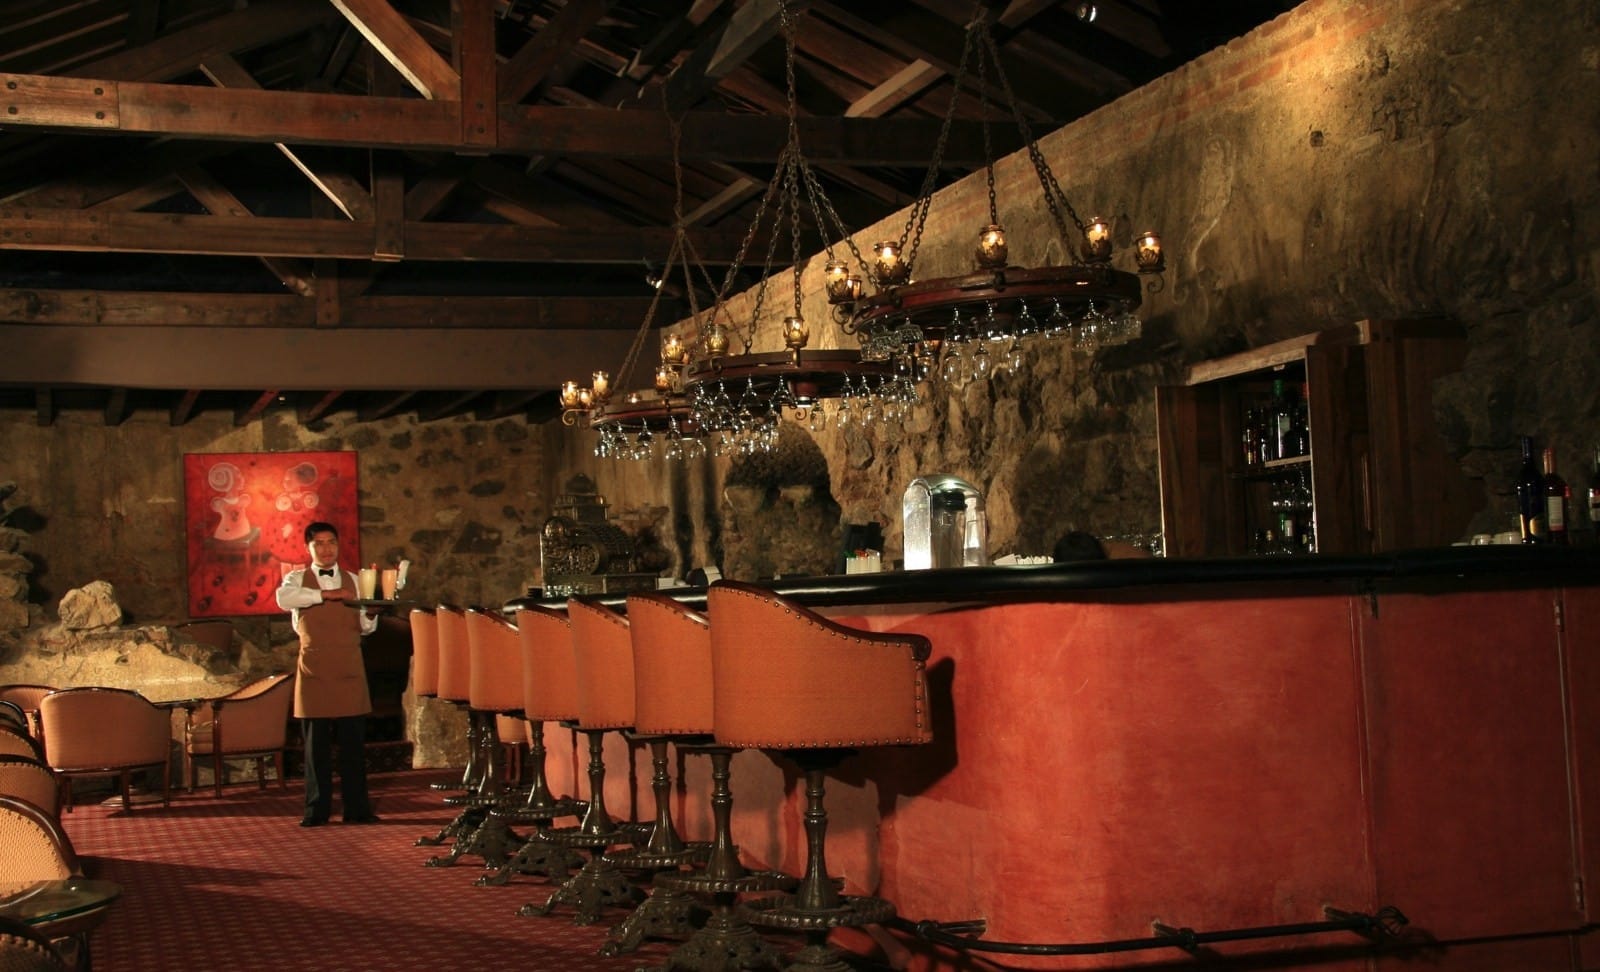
330,692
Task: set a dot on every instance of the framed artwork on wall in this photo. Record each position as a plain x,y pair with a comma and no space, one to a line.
245,515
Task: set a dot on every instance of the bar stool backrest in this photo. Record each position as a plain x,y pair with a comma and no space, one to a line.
788,678
455,654
496,682
603,653
671,667
549,671
424,652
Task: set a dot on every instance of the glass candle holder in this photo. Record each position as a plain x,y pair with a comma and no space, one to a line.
1149,255
1097,241
673,350
571,396
888,266
601,386
836,280
795,333
992,250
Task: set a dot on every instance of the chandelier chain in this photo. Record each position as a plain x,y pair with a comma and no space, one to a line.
1054,198
983,121
918,217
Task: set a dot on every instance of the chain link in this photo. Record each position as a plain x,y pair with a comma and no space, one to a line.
918,217
1054,198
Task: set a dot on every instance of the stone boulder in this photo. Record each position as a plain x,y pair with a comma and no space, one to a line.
94,605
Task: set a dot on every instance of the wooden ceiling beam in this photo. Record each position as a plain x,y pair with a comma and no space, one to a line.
185,407
421,359
313,118
140,308
255,25
540,54
400,44
245,416
388,406
449,406
71,229
316,410
902,86
342,189
117,406
216,198
505,403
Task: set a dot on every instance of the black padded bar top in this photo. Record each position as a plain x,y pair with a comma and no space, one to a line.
1495,565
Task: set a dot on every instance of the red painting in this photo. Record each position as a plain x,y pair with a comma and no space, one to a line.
245,515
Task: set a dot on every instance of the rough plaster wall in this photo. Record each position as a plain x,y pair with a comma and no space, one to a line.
1349,160
463,500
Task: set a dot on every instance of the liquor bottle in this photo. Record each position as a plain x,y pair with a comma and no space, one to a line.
1278,414
1252,438
1531,508
1298,440
1594,496
1557,497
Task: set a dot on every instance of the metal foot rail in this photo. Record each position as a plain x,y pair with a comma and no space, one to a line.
1381,928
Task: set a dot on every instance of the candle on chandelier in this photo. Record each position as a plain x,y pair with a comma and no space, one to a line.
836,280
664,375
795,333
992,247
717,339
888,267
1097,240
601,386
570,394
673,350
1149,256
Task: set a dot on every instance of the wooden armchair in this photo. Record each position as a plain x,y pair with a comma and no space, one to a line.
250,722
30,780
106,732
26,697
15,742
33,847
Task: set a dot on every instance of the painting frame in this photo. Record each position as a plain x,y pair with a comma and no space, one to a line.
245,515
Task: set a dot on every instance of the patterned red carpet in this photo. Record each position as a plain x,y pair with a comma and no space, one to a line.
237,884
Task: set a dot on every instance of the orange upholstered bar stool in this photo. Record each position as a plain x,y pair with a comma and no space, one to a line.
549,694
602,652
788,680
494,689
673,698
455,685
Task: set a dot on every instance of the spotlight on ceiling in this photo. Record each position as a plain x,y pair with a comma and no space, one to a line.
1087,12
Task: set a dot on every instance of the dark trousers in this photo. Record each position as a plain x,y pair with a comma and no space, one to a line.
350,732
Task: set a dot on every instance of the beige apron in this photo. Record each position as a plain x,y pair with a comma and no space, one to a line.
332,677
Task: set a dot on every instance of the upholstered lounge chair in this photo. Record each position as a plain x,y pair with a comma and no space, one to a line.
252,722
106,732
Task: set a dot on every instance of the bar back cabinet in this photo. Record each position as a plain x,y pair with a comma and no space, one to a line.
1378,475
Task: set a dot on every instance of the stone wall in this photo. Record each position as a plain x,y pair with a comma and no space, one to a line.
1351,159
463,500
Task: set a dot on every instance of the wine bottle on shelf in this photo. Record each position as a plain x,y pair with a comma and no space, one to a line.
1282,420
1557,498
1594,496
1531,508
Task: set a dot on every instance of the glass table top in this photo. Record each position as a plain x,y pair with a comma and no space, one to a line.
50,901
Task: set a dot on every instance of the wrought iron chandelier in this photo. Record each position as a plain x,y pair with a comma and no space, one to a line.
739,399
969,326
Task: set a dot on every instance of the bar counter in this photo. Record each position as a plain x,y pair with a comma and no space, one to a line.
1217,745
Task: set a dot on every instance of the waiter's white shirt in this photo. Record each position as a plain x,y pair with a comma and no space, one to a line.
293,595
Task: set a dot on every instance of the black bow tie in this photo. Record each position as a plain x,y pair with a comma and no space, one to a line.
325,571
